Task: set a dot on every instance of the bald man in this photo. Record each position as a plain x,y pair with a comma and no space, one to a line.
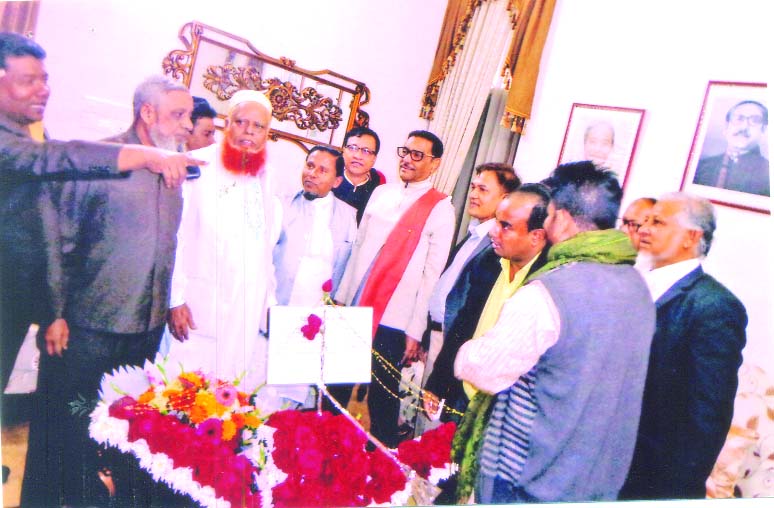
634,217
223,280
631,221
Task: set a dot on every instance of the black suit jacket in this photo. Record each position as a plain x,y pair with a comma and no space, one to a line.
689,391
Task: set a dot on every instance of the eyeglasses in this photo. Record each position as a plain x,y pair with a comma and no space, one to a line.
630,224
416,155
365,151
750,119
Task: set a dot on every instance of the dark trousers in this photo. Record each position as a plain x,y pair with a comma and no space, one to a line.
62,460
383,401
22,302
342,393
498,491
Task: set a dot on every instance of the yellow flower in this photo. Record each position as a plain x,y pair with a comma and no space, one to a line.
207,402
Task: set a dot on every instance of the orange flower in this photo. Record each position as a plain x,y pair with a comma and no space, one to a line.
252,421
191,378
229,430
147,396
197,414
238,419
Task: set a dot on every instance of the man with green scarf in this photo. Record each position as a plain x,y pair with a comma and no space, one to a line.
567,357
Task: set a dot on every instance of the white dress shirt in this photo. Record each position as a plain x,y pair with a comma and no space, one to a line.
315,266
659,280
437,306
528,325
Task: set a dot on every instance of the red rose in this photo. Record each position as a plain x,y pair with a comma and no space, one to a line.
312,326
386,477
327,286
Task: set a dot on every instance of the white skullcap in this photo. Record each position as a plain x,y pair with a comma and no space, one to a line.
242,96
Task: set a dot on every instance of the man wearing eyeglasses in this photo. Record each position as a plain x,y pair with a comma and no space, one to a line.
400,250
631,221
361,146
742,167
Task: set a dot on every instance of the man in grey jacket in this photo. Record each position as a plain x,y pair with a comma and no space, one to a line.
111,248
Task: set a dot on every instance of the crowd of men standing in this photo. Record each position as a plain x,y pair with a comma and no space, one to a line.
574,373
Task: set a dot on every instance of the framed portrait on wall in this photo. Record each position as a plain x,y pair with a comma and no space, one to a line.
729,158
606,135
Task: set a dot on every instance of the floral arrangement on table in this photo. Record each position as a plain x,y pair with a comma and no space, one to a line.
224,447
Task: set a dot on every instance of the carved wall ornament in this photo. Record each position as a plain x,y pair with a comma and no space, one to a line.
225,80
308,109
215,64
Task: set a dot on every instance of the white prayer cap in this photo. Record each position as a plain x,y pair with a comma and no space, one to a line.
242,96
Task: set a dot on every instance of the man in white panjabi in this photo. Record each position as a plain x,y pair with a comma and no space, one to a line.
223,280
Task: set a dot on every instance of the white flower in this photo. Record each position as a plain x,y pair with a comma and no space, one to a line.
107,430
441,473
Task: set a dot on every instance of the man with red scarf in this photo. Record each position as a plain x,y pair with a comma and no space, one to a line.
401,247
223,280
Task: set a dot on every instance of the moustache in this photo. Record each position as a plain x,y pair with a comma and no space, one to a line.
744,132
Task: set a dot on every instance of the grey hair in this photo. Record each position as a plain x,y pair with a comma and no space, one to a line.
696,213
151,90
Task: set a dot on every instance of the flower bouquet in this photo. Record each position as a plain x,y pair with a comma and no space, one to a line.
223,447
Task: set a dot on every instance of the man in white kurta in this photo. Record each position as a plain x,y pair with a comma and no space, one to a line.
223,281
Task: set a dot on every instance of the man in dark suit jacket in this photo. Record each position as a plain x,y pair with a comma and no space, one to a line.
696,352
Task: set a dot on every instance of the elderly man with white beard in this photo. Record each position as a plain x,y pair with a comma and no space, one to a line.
224,281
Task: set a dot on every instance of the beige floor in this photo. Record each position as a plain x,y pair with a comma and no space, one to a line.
14,449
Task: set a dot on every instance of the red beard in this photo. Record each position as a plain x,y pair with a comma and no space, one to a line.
241,162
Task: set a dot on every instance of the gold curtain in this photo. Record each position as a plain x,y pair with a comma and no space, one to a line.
531,20
522,64
456,22
19,17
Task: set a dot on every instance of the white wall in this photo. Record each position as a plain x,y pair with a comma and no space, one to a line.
99,50
658,55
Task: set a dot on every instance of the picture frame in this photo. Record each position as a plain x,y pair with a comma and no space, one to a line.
728,162
605,134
